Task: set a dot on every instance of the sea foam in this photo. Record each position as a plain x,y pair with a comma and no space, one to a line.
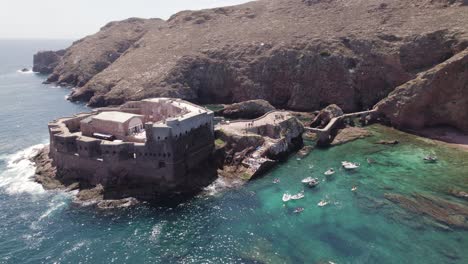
18,176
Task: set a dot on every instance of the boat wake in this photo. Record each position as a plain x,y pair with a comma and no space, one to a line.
25,72
17,178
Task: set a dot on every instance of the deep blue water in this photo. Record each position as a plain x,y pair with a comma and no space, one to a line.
249,224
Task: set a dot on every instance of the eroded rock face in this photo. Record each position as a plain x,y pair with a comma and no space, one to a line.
92,54
325,115
252,147
355,54
44,62
246,110
436,97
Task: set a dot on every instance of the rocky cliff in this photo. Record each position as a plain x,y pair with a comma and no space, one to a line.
91,55
296,54
436,97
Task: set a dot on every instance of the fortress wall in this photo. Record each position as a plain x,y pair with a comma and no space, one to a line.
161,132
158,166
185,125
88,148
65,143
73,123
191,143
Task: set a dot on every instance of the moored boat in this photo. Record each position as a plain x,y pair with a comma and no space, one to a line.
313,183
329,172
322,203
430,158
297,196
298,210
350,165
307,180
286,197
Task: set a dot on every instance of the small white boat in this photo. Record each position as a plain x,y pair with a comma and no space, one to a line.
307,180
286,197
277,180
298,210
322,203
297,196
354,188
430,158
329,172
350,165
313,183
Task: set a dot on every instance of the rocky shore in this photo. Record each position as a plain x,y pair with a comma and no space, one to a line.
46,175
252,147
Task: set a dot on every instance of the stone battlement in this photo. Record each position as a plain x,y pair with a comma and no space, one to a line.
174,140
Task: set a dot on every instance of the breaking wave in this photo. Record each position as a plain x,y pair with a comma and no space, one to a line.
17,178
221,184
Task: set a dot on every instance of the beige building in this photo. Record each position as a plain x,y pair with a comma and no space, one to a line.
114,124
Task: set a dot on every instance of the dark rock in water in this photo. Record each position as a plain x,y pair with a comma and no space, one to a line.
246,110
325,115
236,53
45,61
388,142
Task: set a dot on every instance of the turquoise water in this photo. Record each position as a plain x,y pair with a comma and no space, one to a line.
243,225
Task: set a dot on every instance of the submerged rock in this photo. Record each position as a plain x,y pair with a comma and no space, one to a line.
453,214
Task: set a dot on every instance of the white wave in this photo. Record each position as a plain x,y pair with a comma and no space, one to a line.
54,207
155,232
220,185
17,178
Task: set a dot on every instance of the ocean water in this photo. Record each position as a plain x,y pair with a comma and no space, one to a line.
248,224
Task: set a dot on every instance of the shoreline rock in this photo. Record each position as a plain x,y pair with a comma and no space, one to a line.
46,175
349,134
254,146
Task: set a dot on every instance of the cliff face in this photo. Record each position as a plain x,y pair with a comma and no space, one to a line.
46,61
91,55
435,97
296,54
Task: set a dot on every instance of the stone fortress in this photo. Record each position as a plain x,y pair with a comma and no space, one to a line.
142,148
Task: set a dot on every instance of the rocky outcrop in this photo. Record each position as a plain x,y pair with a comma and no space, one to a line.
355,53
325,116
349,134
436,97
252,147
91,55
44,62
246,110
